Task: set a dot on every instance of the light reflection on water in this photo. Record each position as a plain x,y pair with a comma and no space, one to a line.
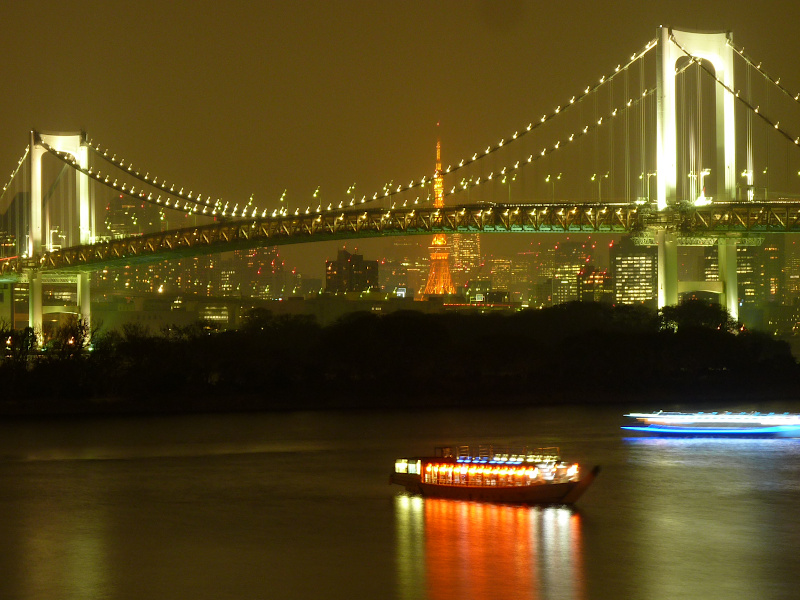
454,549
715,512
297,506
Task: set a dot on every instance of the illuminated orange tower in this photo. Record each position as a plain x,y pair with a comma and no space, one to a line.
439,281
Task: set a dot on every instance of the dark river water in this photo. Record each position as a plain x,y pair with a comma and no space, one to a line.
298,505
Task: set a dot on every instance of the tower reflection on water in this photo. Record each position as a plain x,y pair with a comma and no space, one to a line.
452,549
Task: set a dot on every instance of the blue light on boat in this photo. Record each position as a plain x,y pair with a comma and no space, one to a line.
732,431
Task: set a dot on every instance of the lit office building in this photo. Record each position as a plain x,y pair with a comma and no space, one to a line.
466,257
595,285
635,273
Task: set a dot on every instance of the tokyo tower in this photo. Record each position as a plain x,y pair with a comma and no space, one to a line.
439,281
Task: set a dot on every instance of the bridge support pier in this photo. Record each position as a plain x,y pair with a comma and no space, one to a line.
84,298
7,304
667,268
726,261
35,320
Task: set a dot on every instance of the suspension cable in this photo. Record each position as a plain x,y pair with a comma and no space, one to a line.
20,162
754,109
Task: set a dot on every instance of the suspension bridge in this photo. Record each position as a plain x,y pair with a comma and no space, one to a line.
688,141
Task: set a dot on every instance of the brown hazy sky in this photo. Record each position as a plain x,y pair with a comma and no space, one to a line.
239,98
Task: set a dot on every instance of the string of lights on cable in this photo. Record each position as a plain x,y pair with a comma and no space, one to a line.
533,126
756,109
767,76
20,162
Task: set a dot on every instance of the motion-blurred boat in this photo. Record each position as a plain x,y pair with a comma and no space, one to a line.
728,424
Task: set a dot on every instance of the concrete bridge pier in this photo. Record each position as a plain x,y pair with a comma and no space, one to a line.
35,320
726,257
667,243
84,298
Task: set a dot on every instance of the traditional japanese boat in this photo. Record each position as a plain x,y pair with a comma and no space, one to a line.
726,424
492,473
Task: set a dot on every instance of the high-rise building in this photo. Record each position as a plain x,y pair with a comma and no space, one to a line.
595,285
501,273
568,260
466,257
761,275
439,280
351,273
791,269
635,273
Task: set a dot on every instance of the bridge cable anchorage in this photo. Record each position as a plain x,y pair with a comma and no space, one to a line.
153,181
560,109
755,109
767,76
20,162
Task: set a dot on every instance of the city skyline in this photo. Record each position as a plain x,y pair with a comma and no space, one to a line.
260,74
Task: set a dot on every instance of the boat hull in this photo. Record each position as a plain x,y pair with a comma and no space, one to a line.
540,493
733,432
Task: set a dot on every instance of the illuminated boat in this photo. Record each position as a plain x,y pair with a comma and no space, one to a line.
726,424
491,473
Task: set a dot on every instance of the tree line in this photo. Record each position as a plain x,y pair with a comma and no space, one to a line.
578,352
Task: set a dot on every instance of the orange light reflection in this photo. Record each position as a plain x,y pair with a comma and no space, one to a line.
483,550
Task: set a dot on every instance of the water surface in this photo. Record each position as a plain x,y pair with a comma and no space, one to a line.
298,506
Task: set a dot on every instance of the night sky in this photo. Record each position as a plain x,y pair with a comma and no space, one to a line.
240,98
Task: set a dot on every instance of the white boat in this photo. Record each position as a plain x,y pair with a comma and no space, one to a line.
728,424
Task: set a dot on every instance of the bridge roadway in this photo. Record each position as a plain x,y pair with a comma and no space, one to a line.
701,225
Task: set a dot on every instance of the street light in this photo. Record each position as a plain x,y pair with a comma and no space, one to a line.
702,199
649,175
53,248
552,180
508,181
599,179
748,175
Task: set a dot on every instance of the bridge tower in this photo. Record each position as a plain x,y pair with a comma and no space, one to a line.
439,279
38,243
715,48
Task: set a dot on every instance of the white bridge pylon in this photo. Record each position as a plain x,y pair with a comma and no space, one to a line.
74,144
715,48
